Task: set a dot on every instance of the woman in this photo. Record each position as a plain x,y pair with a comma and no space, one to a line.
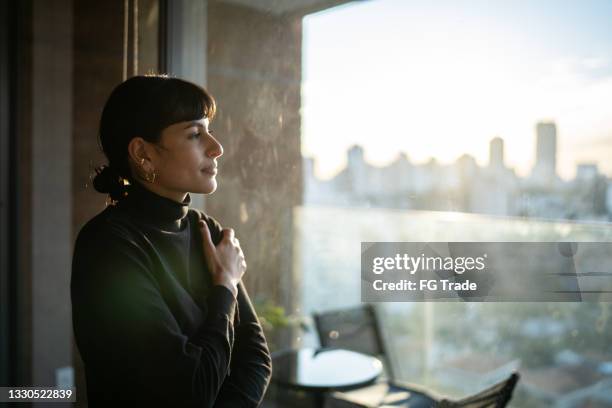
159,311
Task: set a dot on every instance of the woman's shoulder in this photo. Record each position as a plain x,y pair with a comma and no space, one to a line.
109,223
109,238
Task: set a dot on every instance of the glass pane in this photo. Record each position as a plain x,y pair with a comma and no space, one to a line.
148,36
461,121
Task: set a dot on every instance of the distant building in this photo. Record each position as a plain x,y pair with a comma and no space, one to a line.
609,197
545,169
357,179
496,153
586,172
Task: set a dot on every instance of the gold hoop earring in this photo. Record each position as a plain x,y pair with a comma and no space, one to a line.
150,177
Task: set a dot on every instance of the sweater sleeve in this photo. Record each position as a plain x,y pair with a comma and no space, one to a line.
251,362
127,334
251,366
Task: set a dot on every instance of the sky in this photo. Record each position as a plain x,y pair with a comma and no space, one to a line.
442,78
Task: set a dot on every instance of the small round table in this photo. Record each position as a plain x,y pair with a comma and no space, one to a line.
322,370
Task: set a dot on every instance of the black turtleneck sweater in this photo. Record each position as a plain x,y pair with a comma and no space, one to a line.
148,322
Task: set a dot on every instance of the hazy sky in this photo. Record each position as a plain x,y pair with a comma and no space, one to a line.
441,78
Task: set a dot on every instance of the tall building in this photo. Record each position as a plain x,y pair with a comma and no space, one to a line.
355,156
546,150
545,169
356,169
496,153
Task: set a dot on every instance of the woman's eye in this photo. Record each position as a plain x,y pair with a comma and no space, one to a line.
195,135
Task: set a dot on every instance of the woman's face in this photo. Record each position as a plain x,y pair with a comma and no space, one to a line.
186,159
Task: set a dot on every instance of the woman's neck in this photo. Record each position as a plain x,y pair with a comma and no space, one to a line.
177,196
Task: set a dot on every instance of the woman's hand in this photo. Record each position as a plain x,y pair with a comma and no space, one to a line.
225,261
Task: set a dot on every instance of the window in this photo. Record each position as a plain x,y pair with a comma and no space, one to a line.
461,121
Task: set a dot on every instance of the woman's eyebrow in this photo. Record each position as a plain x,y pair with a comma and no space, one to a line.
192,124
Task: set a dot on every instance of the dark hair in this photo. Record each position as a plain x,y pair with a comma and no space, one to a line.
143,106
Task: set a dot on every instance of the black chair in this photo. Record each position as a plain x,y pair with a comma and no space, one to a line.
358,329
496,396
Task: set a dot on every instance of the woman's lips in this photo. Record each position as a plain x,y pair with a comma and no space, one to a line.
210,170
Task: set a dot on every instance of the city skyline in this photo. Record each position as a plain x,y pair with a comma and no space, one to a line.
440,80
465,186
544,153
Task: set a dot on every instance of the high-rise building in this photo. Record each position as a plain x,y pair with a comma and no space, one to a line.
355,155
546,150
545,169
496,153
356,170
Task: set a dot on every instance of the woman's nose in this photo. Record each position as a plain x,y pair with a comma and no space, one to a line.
214,148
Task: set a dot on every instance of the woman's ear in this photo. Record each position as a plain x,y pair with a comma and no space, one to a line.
138,151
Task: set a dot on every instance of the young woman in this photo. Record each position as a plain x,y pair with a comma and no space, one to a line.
159,311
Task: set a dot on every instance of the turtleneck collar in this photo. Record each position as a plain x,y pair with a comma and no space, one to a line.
153,208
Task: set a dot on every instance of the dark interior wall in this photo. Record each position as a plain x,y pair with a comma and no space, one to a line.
22,17
51,125
254,72
39,165
98,56
7,198
4,180
98,68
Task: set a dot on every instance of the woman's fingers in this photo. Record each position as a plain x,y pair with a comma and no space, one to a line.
231,243
228,234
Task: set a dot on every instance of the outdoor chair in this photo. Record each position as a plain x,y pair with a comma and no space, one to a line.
358,329
496,396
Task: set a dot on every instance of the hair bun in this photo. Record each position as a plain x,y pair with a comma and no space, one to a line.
108,181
